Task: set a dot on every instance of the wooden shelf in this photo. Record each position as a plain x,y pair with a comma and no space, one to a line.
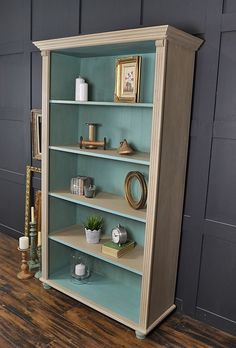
104,201
138,157
120,298
74,236
97,103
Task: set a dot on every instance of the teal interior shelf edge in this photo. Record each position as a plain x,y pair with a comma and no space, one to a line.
86,203
102,103
105,154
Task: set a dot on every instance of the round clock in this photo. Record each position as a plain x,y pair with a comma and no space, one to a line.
119,235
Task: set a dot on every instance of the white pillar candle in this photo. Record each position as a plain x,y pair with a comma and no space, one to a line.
78,81
32,214
23,243
39,238
83,91
80,269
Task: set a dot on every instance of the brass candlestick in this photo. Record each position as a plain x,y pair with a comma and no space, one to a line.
24,273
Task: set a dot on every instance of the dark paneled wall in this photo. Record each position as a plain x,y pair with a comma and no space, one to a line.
207,268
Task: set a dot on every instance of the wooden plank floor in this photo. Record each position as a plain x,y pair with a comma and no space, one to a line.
33,317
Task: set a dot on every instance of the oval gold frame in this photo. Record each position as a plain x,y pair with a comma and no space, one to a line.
128,194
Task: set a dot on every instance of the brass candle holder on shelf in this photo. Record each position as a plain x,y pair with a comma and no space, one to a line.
24,273
92,143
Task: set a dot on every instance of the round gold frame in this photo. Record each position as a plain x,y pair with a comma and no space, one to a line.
128,194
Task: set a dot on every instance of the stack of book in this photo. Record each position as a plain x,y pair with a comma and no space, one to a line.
116,250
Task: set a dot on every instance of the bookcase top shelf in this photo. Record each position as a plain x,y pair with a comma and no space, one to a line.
74,236
103,201
102,103
137,158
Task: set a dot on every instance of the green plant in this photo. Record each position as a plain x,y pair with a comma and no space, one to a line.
93,222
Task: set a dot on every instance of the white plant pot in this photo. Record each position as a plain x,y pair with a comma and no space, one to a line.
92,237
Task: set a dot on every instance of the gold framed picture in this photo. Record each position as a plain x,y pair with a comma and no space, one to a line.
36,134
127,80
28,199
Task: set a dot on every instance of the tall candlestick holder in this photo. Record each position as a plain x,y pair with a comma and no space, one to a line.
24,273
33,262
38,274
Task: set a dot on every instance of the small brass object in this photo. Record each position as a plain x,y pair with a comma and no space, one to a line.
125,148
91,143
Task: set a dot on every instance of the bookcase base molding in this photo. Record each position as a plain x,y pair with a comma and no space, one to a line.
148,107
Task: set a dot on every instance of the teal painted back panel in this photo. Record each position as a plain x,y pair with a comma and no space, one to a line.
61,214
99,72
110,286
135,229
117,124
62,167
108,175
63,124
64,70
58,256
63,253
124,48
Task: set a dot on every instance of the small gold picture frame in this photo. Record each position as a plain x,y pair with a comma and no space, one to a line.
36,134
127,82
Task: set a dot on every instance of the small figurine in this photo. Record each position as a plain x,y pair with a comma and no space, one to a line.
125,148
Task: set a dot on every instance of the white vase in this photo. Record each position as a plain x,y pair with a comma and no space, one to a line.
92,236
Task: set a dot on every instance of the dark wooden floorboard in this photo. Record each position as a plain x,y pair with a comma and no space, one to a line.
33,317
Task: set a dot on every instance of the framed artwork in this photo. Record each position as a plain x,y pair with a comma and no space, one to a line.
127,79
36,134
28,197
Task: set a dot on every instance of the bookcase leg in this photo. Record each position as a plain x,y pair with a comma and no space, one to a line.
140,335
46,286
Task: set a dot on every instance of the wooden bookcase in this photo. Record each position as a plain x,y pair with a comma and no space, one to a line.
137,289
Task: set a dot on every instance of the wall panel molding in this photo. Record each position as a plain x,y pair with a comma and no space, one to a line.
220,230
206,74
228,22
216,320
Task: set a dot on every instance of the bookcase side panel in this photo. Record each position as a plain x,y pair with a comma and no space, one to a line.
155,153
45,142
174,146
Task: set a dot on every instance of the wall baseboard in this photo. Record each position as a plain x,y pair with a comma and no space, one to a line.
179,304
210,318
216,320
10,231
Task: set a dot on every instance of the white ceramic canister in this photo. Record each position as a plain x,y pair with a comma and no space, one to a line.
83,92
78,82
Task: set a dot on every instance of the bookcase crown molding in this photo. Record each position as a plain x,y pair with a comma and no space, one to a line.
155,33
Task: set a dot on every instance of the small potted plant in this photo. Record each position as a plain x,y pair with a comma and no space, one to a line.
93,227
